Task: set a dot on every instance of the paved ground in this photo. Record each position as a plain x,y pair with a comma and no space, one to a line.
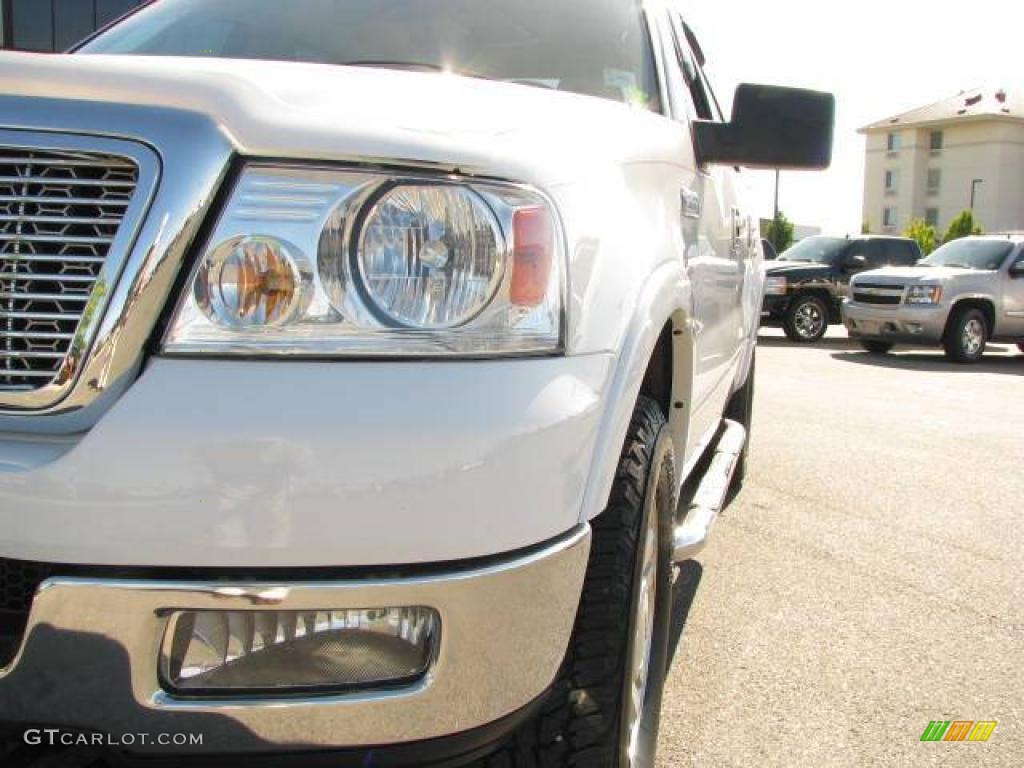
869,578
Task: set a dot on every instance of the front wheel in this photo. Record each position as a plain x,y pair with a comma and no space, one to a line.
604,708
806,319
966,336
877,347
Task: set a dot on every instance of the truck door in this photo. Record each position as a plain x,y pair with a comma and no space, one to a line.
719,245
1012,321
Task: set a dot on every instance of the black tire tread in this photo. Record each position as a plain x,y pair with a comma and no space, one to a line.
876,347
578,724
951,338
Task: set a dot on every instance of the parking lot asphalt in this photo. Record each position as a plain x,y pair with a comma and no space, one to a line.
868,579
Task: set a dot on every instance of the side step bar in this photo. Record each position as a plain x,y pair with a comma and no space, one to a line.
692,533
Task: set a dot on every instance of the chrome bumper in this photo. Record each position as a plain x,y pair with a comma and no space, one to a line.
903,324
89,656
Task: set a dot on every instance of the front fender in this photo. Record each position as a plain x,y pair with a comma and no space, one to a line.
665,297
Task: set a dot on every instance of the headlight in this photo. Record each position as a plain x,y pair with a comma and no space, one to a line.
775,286
316,262
924,294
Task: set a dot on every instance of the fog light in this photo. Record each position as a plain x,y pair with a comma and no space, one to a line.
224,652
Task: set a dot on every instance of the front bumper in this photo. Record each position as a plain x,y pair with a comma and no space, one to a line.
207,463
774,306
902,325
88,659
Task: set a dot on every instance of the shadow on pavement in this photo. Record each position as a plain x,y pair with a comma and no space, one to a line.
1012,365
829,342
683,593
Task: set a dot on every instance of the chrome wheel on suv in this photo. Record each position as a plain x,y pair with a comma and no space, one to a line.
806,319
966,335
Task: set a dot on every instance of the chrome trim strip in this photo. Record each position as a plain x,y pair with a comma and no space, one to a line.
191,156
148,165
89,658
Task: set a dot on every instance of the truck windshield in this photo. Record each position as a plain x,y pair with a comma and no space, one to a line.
970,254
818,250
593,47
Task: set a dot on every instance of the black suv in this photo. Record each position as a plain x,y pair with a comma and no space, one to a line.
806,286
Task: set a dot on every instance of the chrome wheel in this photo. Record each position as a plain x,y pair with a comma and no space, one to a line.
643,622
973,337
809,320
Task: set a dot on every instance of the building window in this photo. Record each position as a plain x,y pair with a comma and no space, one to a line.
937,140
56,25
894,142
889,217
934,181
892,181
931,217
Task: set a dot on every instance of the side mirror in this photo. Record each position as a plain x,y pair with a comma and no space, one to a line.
856,263
1017,270
771,128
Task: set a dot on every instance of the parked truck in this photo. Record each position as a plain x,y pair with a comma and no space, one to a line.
967,293
354,360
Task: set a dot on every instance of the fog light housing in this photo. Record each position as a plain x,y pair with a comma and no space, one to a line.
244,652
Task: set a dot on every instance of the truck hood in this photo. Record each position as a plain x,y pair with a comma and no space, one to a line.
905,275
325,112
796,269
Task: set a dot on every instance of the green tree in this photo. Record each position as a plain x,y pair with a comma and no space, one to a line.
963,225
865,227
780,232
923,233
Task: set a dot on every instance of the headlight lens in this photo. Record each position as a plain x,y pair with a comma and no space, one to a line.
775,286
924,294
317,262
250,282
430,256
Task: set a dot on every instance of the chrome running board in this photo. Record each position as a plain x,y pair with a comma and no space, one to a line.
692,533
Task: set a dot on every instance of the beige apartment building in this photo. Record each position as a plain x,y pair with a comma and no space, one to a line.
928,163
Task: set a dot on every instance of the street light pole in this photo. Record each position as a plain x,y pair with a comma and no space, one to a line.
776,195
974,186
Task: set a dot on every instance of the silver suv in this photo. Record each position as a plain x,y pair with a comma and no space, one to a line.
965,294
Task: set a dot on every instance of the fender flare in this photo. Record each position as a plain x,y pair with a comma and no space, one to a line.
665,296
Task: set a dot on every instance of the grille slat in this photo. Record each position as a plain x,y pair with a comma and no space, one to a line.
20,296
29,277
60,211
45,259
112,202
62,181
59,239
8,315
59,220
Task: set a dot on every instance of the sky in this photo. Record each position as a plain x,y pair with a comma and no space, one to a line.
879,57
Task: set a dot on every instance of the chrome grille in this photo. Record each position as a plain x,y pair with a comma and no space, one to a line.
59,213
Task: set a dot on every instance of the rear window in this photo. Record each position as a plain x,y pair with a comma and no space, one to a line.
971,254
594,47
900,252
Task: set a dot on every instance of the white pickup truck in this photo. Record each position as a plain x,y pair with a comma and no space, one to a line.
365,367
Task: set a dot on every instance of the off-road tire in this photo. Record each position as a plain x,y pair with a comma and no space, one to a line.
791,323
581,723
954,340
877,347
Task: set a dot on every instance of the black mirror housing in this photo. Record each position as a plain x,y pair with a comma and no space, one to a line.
771,128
